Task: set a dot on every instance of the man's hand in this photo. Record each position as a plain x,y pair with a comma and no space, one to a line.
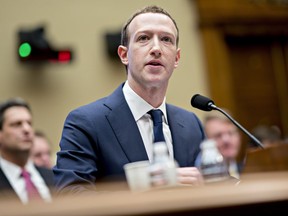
190,175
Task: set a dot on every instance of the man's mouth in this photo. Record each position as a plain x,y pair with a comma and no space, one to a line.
154,63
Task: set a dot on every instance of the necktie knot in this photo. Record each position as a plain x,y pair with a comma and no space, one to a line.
25,174
156,116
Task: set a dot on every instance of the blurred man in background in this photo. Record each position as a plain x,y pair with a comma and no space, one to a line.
19,177
267,135
41,150
228,139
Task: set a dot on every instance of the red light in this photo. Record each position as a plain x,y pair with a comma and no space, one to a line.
64,56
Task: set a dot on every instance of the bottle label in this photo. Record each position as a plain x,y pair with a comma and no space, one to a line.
214,173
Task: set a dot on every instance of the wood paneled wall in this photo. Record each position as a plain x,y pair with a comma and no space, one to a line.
246,51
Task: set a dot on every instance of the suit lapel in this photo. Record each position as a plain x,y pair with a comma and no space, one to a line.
4,183
124,126
6,189
47,175
177,128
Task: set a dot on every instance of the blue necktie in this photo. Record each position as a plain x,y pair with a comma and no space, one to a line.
157,123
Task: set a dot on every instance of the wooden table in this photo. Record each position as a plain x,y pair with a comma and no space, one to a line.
256,193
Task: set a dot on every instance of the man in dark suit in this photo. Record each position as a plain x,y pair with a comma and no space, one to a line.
228,139
19,177
98,139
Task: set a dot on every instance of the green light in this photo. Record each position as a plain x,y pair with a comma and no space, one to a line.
24,50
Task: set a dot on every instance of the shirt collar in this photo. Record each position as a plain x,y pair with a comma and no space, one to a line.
138,105
14,170
10,169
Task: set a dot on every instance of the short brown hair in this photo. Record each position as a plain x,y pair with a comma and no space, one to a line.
217,115
13,102
148,9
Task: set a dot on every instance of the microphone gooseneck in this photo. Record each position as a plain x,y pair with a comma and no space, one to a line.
205,104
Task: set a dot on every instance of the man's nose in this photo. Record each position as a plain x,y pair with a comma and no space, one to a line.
26,126
156,48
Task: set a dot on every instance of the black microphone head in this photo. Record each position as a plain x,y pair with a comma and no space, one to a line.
203,103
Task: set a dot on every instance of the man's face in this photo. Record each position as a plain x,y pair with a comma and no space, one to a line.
41,152
17,133
226,135
152,53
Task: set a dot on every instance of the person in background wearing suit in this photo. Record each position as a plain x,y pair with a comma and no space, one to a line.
16,169
41,150
228,140
99,138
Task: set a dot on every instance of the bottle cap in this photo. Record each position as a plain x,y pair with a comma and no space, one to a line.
208,143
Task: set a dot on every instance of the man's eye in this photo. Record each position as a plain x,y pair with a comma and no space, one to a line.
16,124
143,38
167,39
217,136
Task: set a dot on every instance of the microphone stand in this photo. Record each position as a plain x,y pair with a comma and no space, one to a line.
213,106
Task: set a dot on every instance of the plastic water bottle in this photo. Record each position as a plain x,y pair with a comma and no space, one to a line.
163,168
213,166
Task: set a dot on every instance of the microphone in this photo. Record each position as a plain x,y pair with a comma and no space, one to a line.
206,104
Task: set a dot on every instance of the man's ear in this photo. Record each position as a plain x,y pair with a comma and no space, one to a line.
177,58
122,53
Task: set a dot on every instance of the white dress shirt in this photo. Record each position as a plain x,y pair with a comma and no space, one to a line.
139,108
13,174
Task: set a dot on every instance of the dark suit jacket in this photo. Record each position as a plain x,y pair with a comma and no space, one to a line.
6,190
99,138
